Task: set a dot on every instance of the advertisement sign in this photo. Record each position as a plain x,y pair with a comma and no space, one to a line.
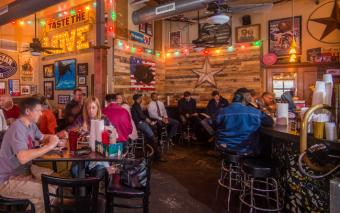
139,37
8,66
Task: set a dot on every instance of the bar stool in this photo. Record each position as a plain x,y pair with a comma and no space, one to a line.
259,182
164,140
231,175
139,143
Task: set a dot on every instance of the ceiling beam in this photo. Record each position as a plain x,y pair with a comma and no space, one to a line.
23,8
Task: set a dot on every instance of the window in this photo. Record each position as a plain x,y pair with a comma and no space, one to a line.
281,86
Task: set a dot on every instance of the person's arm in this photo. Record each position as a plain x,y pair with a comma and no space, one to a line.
266,120
134,114
52,123
128,122
152,110
163,110
25,156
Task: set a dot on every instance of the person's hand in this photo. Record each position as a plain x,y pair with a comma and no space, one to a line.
187,115
52,142
153,123
62,134
195,114
165,120
148,120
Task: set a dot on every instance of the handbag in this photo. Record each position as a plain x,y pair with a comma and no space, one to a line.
134,174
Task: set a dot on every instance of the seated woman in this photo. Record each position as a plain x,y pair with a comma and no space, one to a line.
47,123
91,110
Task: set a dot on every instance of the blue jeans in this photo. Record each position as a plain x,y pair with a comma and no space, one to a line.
146,130
98,171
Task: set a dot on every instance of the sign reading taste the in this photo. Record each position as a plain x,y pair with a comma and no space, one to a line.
71,38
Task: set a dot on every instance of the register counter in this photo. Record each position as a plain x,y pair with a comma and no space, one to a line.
301,193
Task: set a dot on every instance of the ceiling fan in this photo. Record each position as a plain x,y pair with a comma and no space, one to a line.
35,46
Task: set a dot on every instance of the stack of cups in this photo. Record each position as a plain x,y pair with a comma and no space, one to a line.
331,131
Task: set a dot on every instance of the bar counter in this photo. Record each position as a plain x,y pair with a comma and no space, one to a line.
301,193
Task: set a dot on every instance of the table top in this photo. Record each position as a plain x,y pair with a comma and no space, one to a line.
66,155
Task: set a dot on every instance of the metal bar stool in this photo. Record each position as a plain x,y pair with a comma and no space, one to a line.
139,143
231,175
164,140
260,188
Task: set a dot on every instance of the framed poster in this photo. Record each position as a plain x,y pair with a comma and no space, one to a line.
175,40
2,87
248,33
142,28
149,30
48,71
81,80
49,90
65,74
63,99
28,66
281,35
83,68
14,87
85,90
33,89
25,89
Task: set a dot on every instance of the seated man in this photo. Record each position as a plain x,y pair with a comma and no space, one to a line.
288,97
11,110
215,104
158,112
119,118
188,112
238,125
143,124
74,108
17,151
266,103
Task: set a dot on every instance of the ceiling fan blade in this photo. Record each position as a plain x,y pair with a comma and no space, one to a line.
47,51
51,48
28,50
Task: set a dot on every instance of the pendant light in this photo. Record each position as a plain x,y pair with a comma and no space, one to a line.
292,49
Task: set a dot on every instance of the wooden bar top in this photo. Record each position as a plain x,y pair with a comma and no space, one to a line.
284,133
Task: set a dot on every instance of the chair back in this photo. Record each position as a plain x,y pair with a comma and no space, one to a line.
149,157
70,195
15,205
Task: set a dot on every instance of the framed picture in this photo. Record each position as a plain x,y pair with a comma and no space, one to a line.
65,74
48,71
281,35
14,87
33,89
63,99
81,80
175,40
83,68
25,89
149,30
2,87
248,33
142,28
85,90
49,89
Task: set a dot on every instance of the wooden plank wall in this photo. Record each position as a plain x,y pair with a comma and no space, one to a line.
242,68
121,74
174,76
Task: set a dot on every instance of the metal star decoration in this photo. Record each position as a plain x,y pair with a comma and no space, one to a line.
206,74
332,23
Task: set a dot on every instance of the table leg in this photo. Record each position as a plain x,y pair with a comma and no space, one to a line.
81,174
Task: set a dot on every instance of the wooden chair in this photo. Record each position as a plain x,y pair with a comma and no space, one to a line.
16,205
121,191
69,196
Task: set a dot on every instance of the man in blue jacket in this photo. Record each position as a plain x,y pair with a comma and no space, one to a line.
238,125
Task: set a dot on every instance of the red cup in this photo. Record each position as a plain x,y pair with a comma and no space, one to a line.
73,140
106,137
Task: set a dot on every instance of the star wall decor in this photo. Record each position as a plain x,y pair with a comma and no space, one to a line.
206,74
332,22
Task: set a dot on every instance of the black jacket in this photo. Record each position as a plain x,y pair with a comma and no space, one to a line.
186,107
213,107
137,113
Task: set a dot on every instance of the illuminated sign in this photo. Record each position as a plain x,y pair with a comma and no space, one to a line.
68,41
70,38
8,66
67,21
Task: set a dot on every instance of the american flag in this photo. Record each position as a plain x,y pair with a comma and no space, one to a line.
142,73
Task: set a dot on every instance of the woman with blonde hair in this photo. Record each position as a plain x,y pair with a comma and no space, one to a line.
91,111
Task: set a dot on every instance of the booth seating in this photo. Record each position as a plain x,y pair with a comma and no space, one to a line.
260,188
